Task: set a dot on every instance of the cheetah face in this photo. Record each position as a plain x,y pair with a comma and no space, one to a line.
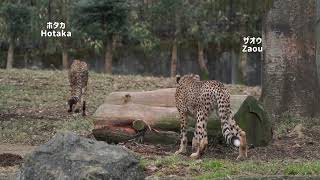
72,102
196,77
188,77
193,76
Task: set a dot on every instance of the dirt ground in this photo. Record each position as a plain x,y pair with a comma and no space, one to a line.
33,109
285,148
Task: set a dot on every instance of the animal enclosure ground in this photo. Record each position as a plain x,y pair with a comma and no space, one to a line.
33,108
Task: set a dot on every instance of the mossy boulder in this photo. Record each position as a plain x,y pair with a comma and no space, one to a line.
254,120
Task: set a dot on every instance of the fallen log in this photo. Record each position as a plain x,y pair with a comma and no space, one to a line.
120,115
141,117
139,125
159,98
152,112
113,134
124,134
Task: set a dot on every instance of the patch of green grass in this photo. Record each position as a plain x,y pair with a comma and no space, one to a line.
308,168
212,168
77,125
213,165
260,168
27,131
7,88
287,122
167,161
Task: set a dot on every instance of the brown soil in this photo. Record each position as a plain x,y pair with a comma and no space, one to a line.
280,149
285,148
8,159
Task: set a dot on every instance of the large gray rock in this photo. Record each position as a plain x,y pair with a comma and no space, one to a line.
68,156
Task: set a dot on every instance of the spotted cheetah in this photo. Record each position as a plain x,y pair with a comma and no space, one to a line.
78,79
198,99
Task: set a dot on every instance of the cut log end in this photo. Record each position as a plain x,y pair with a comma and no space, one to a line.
139,125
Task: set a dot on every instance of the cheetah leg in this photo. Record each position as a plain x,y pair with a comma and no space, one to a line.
195,147
84,113
195,142
184,140
200,140
76,107
84,97
243,149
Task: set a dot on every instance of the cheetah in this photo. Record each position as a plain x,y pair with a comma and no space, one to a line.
198,99
78,79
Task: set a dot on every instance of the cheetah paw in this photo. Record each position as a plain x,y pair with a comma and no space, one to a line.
180,151
195,155
241,158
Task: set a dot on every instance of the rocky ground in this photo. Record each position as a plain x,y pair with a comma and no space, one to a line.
33,108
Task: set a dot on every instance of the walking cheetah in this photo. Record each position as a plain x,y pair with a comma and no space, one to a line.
198,99
78,78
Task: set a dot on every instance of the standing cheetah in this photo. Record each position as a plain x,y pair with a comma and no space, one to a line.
78,78
198,99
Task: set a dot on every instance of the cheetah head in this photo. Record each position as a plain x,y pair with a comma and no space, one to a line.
178,77
72,102
188,77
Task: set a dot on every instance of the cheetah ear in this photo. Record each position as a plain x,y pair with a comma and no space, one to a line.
178,77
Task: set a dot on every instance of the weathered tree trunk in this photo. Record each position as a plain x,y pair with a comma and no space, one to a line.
108,56
290,82
174,57
10,54
65,58
25,59
49,10
201,61
235,68
242,64
318,39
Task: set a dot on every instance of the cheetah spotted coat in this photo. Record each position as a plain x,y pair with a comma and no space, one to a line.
198,99
78,79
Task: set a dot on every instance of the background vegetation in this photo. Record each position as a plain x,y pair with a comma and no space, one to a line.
164,38
155,37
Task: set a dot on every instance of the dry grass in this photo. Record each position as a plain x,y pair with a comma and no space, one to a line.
33,107
33,103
